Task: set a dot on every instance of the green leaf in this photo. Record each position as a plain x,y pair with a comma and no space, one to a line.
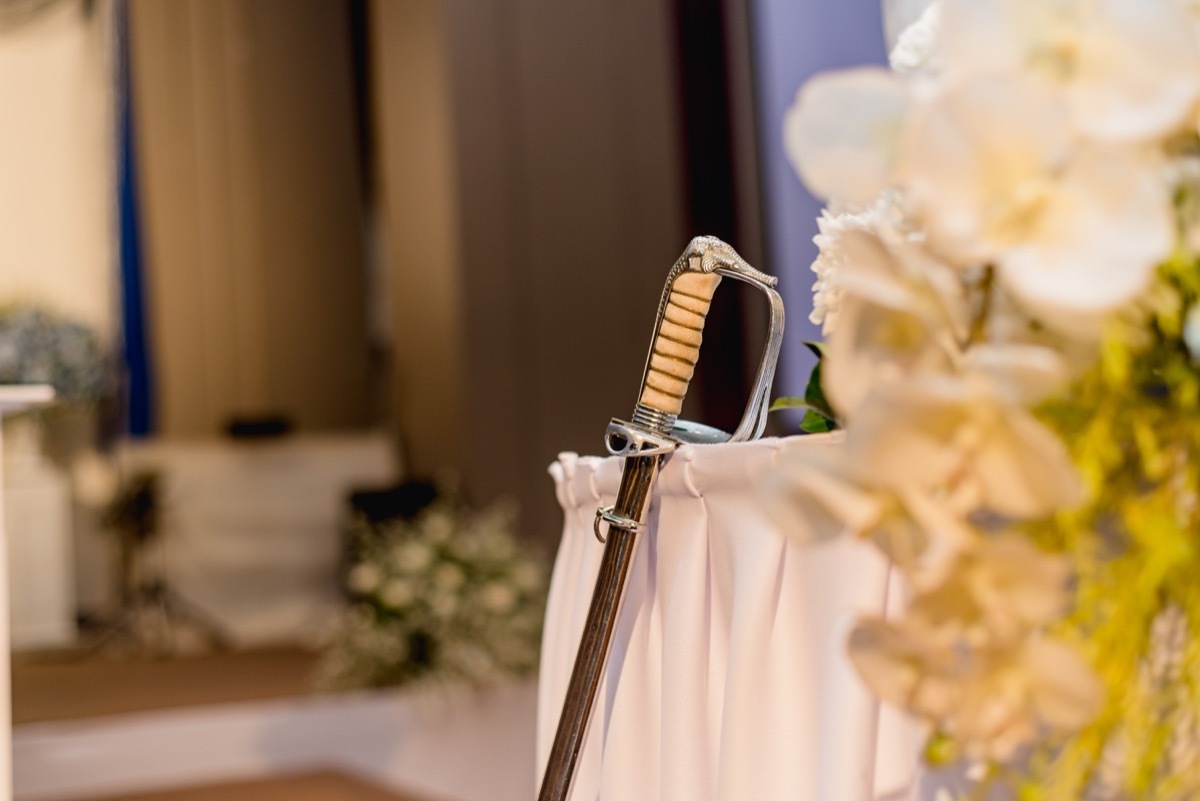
941,749
814,395
818,416
814,423
787,402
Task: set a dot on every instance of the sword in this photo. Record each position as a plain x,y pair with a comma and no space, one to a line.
654,432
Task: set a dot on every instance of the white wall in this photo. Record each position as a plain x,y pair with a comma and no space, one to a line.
57,166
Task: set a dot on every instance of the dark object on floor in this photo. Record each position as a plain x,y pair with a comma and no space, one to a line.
404,501
151,613
265,427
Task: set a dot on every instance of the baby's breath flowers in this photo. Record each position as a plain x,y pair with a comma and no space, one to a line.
1009,279
40,347
448,596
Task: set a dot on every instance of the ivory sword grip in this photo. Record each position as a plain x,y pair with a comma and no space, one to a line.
676,346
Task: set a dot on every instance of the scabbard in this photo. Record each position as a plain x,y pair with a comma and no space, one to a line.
620,547
654,432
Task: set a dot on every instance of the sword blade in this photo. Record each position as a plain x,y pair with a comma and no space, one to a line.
619,550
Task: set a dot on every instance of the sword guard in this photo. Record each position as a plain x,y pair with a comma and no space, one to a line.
630,439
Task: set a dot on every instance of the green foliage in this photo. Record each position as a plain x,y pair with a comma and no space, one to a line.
819,416
1132,426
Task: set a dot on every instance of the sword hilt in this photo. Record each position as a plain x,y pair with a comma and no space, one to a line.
679,331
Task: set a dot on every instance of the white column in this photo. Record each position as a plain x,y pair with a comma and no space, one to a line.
12,399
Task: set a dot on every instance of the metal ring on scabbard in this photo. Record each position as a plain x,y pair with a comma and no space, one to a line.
608,514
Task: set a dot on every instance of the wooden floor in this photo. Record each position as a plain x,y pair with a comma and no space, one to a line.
51,687
55,687
307,787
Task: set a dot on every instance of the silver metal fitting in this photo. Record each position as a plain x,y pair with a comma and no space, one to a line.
653,419
629,439
608,515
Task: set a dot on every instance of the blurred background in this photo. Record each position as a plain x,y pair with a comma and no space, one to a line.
317,282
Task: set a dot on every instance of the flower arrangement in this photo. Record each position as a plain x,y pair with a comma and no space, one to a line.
37,347
1009,282
447,595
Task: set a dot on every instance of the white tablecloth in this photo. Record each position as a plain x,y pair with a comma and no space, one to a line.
728,679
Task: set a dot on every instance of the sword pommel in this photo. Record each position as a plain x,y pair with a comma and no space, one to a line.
708,254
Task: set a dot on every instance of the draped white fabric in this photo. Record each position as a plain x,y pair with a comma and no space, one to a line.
727,679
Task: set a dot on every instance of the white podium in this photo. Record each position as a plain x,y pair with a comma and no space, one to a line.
12,399
41,545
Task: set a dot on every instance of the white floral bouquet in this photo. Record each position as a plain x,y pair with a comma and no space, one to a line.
1009,282
38,347
448,595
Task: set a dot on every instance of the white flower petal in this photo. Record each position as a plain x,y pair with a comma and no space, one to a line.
895,662
978,159
928,432
989,36
875,344
1028,374
811,495
842,132
1137,74
904,435
1066,692
899,312
1024,468
1103,231
1129,69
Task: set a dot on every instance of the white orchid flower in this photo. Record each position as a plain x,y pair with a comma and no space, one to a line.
842,133
1066,692
819,492
816,495
968,655
995,591
1129,70
1098,244
1026,373
907,664
901,313
965,436
979,162
991,168
1016,698
813,495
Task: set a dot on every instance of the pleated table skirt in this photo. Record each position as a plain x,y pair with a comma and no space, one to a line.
728,679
